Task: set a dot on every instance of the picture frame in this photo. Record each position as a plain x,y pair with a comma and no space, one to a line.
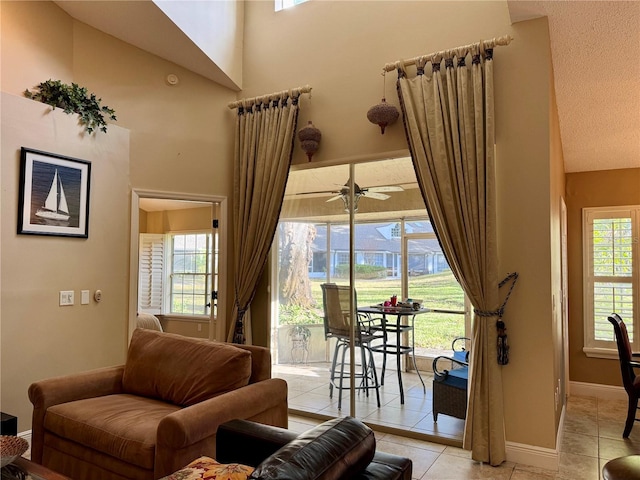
54,194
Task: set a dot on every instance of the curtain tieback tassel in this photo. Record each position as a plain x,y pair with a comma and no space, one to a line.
238,333
503,346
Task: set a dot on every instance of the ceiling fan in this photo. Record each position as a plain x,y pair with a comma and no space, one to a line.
370,192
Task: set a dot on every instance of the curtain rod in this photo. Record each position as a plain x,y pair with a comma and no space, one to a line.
494,42
274,96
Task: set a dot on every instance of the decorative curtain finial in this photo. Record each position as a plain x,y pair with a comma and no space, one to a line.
309,137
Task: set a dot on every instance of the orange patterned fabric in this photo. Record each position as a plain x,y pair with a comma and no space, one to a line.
208,468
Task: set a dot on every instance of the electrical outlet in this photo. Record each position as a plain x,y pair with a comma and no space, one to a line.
66,298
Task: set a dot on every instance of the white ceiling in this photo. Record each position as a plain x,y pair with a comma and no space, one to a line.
596,60
595,49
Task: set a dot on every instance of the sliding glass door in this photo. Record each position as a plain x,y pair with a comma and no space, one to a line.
371,234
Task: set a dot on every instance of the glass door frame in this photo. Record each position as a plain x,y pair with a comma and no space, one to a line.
406,238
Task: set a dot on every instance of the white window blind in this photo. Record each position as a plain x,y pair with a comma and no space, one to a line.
151,273
611,279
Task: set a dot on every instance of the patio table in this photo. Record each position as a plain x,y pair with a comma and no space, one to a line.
403,324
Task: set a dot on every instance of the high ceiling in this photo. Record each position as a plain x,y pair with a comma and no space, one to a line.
596,61
595,48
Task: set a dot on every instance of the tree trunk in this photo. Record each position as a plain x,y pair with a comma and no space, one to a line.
296,255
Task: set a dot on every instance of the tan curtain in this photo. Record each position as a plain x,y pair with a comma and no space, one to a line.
449,121
265,130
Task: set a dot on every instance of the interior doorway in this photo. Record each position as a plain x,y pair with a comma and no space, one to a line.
178,262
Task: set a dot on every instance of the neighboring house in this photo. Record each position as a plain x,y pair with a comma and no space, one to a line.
377,245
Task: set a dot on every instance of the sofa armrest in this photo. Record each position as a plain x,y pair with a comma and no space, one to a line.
54,391
196,422
249,443
191,432
94,383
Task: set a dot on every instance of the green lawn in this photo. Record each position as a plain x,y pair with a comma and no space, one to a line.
432,330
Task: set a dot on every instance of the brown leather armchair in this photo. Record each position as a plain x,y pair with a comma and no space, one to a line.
159,411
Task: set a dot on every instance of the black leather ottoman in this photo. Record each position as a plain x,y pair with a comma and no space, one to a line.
341,448
623,468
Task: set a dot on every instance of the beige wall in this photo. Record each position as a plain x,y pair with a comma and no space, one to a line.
557,195
173,139
39,338
592,189
177,220
339,48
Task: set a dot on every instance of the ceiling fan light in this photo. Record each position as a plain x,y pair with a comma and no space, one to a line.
383,114
309,137
345,200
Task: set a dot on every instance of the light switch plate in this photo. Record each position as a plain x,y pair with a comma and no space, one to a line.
66,298
85,297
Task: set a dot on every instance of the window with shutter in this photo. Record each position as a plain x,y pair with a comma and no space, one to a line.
151,273
176,273
611,277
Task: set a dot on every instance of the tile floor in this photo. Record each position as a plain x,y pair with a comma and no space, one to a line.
309,393
592,432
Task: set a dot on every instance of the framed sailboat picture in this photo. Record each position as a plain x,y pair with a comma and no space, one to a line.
54,195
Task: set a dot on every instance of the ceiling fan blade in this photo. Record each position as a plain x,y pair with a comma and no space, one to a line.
387,188
377,196
334,198
318,192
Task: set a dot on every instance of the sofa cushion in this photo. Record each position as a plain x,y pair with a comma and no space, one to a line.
123,426
456,377
182,370
338,448
207,468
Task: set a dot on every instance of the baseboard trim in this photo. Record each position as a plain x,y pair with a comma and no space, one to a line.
606,392
539,457
547,458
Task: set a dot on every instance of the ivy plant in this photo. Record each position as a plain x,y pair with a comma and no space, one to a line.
73,99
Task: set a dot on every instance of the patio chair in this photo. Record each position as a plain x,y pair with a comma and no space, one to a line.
460,349
450,388
337,323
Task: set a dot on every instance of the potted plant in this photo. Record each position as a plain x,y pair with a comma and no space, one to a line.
300,333
74,99
300,336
